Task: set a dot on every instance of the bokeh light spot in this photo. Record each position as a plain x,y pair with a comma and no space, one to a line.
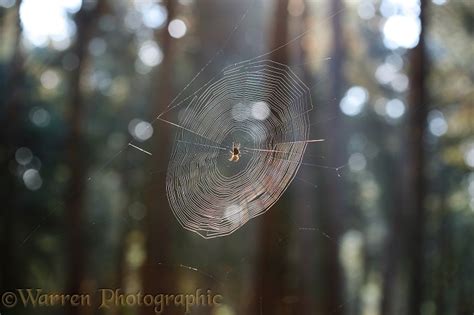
49,20
177,28
260,110
395,108
32,179
49,79
150,54
401,31
39,116
353,102
437,123
23,156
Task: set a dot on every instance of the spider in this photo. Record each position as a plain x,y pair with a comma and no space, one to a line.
235,152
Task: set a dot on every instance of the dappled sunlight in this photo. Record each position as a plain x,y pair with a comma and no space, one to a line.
49,21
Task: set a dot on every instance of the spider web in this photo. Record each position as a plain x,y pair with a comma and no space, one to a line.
261,105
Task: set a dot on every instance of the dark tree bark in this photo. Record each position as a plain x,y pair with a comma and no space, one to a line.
304,207
280,32
159,220
333,209
445,248
417,123
85,21
394,242
12,107
271,264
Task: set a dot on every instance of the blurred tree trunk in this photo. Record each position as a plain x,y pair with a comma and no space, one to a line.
304,206
12,104
394,242
444,247
417,123
85,21
333,207
410,189
159,221
271,264
280,32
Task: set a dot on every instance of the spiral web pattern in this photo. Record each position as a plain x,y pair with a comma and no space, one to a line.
264,107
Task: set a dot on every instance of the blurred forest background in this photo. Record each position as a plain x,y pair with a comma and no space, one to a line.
389,233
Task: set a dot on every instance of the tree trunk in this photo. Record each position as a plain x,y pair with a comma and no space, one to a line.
394,242
75,152
270,282
332,212
159,217
418,116
306,241
12,104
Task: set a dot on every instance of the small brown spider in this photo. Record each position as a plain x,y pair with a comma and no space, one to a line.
235,152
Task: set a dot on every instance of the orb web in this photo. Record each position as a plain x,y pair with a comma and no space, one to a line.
260,106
